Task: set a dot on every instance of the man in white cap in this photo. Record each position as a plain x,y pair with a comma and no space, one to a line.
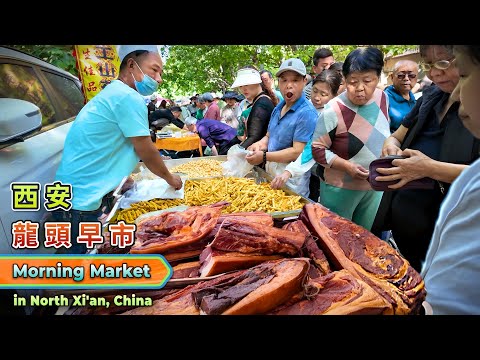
291,126
108,138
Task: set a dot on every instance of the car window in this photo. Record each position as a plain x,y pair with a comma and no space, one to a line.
20,82
68,93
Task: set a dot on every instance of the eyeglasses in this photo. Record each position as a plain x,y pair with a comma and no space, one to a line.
401,76
440,65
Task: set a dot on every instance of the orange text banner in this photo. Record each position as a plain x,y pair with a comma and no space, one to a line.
84,271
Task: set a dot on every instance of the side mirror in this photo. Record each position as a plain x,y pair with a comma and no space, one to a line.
18,118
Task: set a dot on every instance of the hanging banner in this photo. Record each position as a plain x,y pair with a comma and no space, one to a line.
97,66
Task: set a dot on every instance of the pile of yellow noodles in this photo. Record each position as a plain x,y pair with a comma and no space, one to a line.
200,168
243,194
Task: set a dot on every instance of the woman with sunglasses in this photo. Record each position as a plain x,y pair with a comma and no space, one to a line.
436,145
401,99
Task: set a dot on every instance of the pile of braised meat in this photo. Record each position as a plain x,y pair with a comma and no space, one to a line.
317,264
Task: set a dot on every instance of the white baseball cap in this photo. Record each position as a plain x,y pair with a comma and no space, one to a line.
292,64
247,77
124,50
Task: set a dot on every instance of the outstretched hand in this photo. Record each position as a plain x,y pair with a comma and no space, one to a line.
415,166
280,180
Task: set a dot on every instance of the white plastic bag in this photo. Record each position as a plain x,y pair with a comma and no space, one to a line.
150,189
236,164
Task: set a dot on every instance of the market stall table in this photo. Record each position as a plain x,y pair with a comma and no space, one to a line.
184,143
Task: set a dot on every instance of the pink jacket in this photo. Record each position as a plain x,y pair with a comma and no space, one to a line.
213,112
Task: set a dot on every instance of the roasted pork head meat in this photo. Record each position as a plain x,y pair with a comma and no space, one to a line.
352,247
337,293
256,291
181,302
310,248
177,229
240,244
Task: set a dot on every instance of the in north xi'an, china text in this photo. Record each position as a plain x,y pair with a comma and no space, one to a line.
82,300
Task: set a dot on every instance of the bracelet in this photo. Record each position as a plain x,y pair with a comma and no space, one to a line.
264,156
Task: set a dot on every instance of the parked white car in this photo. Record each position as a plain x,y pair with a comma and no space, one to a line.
38,102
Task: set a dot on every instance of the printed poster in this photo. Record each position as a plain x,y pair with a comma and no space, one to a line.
97,66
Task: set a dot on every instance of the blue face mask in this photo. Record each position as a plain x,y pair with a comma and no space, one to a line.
147,86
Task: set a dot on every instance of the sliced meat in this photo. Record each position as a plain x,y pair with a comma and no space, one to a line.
186,270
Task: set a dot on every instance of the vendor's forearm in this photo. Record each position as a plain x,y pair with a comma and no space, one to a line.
150,156
156,165
214,150
443,171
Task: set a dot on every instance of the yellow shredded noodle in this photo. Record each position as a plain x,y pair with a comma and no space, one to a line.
243,194
200,168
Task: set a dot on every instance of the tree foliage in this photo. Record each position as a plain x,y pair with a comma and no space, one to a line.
197,69
193,69
58,55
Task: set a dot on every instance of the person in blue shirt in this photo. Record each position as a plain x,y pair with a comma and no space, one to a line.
108,138
401,99
218,136
290,128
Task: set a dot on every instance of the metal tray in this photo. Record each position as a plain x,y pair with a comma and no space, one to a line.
169,164
257,173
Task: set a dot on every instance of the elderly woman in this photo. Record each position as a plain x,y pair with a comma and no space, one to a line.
230,113
351,136
436,145
451,270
